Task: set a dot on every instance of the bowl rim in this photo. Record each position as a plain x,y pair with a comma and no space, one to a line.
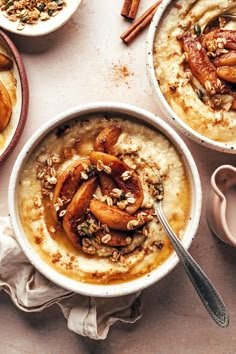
43,27
111,290
24,87
160,99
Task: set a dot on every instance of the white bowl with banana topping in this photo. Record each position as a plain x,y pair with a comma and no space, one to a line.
191,64
81,198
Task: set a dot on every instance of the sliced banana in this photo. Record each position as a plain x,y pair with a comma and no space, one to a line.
67,183
105,142
123,175
76,210
5,107
107,138
5,62
117,219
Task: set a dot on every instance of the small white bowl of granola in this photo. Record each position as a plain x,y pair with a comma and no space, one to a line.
81,199
191,65
35,18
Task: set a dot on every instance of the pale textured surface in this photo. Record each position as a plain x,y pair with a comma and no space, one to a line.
76,65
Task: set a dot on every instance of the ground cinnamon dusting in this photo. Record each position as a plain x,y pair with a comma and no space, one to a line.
120,74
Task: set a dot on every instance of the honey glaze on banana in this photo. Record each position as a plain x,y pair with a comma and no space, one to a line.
86,199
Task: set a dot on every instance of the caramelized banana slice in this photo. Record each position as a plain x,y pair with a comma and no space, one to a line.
75,211
106,140
227,73
107,184
5,62
201,66
68,182
226,59
226,38
234,104
5,107
117,219
123,175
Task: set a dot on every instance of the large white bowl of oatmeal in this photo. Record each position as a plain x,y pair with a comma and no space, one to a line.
191,61
36,18
81,198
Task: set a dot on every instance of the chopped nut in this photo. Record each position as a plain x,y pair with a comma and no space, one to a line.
106,238
115,256
141,216
106,228
49,161
84,175
209,88
126,175
116,193
109,201
128,195
132,224
199,46
122,204
52,229
40,174
102,167
52,180
107,169
62,213
86,242
184,57
128,240
131,200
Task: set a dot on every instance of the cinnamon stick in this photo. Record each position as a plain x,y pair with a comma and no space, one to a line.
140,24
130,9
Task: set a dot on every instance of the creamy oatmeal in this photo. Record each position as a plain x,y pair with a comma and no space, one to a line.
86,198
195,65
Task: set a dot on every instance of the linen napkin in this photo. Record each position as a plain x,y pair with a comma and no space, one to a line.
31,292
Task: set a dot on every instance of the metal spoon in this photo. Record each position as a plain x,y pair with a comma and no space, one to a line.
212,21
205,289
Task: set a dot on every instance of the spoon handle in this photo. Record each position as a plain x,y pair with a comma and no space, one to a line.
205,289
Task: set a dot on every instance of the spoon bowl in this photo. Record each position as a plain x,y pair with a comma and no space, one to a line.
215,21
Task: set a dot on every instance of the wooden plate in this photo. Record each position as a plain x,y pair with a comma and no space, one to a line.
16,83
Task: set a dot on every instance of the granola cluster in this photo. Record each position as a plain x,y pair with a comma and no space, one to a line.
30,11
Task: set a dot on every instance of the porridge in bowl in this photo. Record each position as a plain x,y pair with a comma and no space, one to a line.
85,198
194,58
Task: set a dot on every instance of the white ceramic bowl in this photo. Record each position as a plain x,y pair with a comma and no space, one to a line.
165,107
139,115
41,27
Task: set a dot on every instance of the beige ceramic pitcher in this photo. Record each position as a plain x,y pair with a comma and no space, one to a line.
221,206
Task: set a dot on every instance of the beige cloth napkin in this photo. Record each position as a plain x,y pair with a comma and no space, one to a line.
32,292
